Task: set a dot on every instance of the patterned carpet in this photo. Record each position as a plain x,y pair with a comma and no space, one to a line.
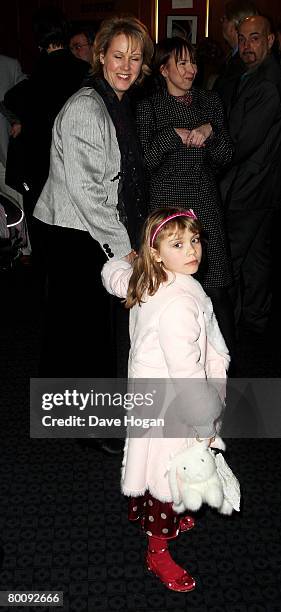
63,523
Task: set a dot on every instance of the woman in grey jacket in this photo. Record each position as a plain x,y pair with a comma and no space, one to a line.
82,210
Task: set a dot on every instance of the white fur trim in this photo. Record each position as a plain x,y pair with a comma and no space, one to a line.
162,498
133,493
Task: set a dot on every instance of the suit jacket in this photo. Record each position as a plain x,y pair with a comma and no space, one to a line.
232,70
10,74
82,188
253,109
174,335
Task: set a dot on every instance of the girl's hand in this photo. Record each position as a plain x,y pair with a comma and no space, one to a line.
183,133
197,137
210,440
130,257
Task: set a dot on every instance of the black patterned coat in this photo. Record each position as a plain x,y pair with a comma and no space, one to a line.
185,176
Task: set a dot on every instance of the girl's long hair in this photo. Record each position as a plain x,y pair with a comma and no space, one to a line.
148,274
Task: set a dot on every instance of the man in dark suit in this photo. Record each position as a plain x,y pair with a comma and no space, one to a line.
81,44
36,102
234,12
10,74
252,185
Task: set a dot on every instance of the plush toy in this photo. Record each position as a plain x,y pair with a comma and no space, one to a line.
198,475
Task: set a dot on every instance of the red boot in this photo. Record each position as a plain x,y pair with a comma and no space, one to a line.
160,562
186,523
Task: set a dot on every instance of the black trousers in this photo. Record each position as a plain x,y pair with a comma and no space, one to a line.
78,339
250,234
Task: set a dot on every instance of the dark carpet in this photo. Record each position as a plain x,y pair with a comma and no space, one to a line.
64,522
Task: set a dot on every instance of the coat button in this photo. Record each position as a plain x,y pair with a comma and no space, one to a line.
110,254
106,246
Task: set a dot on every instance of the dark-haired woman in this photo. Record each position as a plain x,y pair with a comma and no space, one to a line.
185,143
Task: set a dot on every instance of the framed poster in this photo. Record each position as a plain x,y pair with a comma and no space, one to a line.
178,4
184,26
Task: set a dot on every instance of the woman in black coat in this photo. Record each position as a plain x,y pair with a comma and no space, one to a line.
185,144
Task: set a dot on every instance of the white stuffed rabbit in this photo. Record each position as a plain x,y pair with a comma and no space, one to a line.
197,475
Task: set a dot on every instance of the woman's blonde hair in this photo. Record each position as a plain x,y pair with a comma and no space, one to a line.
134,30
148,274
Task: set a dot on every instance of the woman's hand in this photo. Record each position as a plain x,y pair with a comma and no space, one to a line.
130,258
197,137
183,133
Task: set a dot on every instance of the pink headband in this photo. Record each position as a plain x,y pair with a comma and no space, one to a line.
189,213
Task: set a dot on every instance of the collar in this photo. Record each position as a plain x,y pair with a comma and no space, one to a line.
102,86
185,99
165,92
267,60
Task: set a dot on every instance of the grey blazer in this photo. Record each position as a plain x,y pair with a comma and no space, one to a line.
81,191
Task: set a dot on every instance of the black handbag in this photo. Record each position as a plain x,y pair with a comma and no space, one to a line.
12,232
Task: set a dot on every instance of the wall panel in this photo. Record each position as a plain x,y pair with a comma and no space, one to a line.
16,33
165,9
16,15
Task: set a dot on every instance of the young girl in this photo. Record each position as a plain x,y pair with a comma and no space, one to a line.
174,334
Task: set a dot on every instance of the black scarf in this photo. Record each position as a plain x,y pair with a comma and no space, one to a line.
132,206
